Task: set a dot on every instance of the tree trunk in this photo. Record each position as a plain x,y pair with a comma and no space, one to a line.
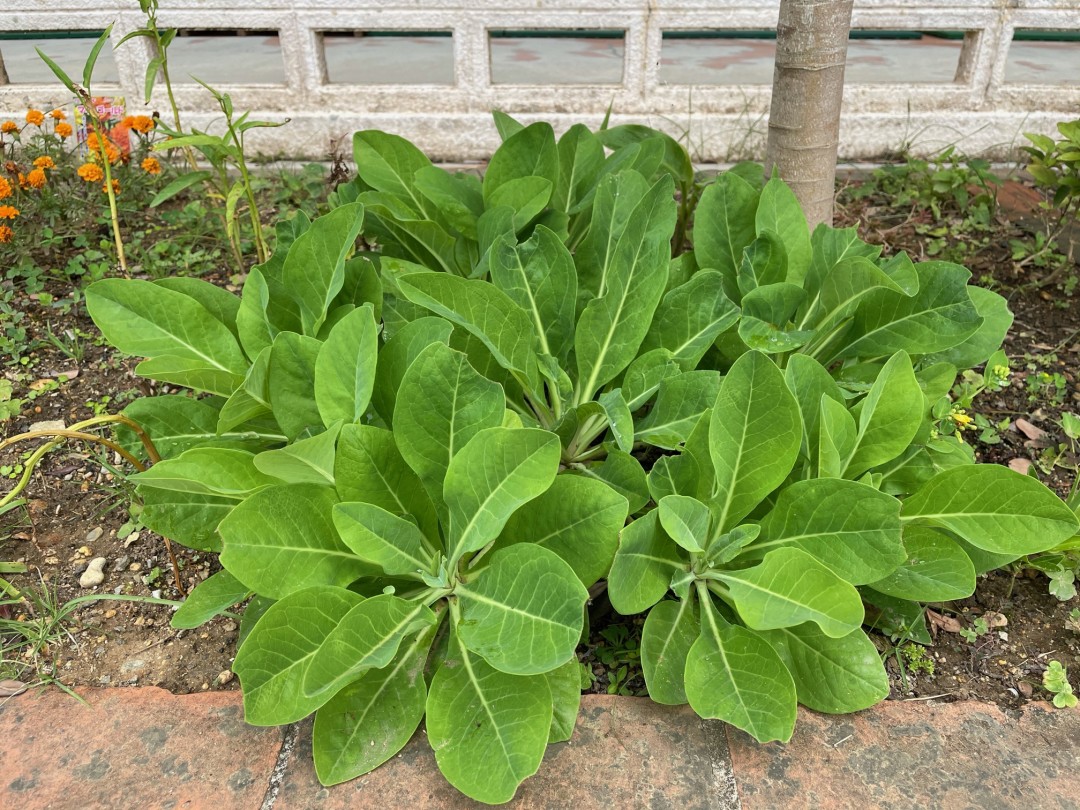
808,88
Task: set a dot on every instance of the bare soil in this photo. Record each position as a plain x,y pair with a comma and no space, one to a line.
77,510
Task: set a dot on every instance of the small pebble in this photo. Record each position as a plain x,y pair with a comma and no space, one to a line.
110,614
94,574
156,594
135,567
229,626
11,688
224,677
131,539
85,551
121,563
94,534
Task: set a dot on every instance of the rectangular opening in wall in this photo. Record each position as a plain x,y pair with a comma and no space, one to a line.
1043,56
389,57
226,57
903,57
68,49
577,56
717,56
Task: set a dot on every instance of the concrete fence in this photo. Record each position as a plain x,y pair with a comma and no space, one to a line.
979,109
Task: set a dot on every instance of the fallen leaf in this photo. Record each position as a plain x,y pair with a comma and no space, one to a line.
1029,430
49,424
10,688
993,619
38,385
71,373
1021,465
946,623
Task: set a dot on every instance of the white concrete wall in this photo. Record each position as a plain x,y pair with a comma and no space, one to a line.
979,111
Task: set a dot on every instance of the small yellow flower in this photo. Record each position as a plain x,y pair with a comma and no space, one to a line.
8,212
36,178
8,127
35,117
961,418
90,172
5,188
44,162
58,115
151,166
6,233
63,130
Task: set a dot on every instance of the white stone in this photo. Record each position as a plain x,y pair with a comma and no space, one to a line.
94,574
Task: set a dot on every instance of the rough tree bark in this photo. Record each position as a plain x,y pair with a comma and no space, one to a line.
808,87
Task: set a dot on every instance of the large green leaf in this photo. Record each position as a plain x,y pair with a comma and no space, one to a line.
482,309
623,473
529,152
644,564
764,262
218,301
987,339
309,461
690,317
686,521
393,543
177,423
397,355
498,470
843,288
291,379
829,246
644,375
345,368
578,518
314,269
274,658
565,685
142,319
188,518
754,436
442,403
993,508
367,637
388,163
282,539
852,528
809,381
732,674
680,402
369,468
724,227
539,276
779,211
211,596
208,471
937,569
581,158
939,316
889,417
832,675
371,719
457,197
523,612
670,629
837,435
489,729
790,587
613,325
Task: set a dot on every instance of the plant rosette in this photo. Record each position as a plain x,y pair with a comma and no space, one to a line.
416,462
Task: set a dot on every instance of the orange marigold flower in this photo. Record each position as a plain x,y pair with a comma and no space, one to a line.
35,117
90,172
112,153
63,130
5,188
115,187
36,178
141,123
24,184
58,115
151,166
8,127
44,162
8,212
6,233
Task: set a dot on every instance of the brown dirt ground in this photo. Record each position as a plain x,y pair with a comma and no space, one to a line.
131,643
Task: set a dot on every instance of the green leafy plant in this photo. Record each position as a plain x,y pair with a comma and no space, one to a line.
1056,682
419,457
1055,165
